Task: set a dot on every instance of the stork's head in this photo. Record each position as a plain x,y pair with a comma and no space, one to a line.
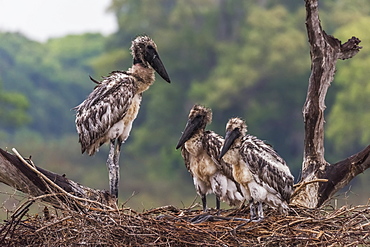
235,128
144,51
199,117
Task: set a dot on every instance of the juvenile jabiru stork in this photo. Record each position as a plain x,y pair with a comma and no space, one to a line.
200,149
258,168
109,111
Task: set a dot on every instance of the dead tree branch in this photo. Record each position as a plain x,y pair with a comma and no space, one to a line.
24,176
325,50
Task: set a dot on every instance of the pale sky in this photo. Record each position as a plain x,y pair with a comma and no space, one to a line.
43,19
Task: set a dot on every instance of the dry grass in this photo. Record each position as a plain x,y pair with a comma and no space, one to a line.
170,226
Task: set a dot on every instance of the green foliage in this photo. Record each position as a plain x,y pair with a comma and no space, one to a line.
73,53
348,122
53,76
260,78
13,110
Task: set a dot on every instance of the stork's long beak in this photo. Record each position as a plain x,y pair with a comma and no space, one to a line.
191,126
230,137
154,60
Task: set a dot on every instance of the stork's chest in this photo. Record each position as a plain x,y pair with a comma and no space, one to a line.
133,109
123,127
241,172
194,145
201,165
232,156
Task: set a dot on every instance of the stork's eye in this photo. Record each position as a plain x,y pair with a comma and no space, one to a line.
150,47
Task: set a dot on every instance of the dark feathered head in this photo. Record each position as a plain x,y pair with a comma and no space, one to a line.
198,119
235,128
144,51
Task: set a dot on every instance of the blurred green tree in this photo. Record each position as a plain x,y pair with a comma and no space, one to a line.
348,121
260,77
53,76
13,110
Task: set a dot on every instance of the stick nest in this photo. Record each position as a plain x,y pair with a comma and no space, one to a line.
171,226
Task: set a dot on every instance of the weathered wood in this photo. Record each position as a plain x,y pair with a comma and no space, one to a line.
342,172
325,50
15,173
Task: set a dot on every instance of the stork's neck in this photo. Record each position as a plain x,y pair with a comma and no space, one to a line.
195,144
144,76
237,143
232,156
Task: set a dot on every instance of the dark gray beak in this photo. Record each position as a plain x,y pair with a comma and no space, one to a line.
191,126
230,137
151,55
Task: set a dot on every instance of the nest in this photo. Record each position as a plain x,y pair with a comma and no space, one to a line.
171,226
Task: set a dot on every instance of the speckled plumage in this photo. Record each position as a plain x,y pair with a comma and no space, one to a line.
110,102
258,167
267,167
200,151
108,112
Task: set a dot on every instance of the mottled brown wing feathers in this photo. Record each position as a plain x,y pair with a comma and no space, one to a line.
105,106
212,143
267,166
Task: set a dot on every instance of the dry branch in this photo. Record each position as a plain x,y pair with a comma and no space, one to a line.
325,50
24,176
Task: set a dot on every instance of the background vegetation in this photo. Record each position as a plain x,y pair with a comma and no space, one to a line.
237,57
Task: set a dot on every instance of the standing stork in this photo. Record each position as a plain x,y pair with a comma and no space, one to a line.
200,149
258,168
109,111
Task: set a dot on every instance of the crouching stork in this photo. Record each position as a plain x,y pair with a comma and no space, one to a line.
109,111
258,168
200,149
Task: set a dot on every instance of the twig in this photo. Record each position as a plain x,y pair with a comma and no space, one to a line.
54,223
303,184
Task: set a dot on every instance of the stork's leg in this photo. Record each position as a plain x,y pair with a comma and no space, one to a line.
204,202
256,211
217,203
113,166
117,152
260,211
252,208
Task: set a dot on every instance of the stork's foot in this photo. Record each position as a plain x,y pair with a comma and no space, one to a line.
212,218
258,219
200,218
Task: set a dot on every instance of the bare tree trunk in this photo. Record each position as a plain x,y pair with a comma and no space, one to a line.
61,192
325,50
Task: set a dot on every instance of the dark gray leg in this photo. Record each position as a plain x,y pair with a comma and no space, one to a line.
113,166
217,203
204,202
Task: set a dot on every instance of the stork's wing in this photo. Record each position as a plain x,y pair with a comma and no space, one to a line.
105,106
212,143
267,166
